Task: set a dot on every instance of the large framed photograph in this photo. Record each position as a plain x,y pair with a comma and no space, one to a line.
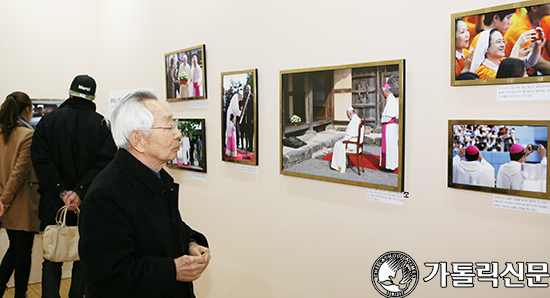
499,156
345,124
186,74
40,107
192,153
240,116
504,44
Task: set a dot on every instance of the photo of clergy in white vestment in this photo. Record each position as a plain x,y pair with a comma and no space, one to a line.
474,170
338,162
233,111
511,175
185,74
389,153
239,117
337,124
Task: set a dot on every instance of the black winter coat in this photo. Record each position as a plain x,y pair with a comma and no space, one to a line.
131,231
70,146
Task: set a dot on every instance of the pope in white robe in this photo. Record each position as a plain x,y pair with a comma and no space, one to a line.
185,145
184,69
389,156
233,108
474,170
338,161
510,174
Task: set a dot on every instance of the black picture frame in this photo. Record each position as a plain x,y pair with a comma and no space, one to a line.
192,153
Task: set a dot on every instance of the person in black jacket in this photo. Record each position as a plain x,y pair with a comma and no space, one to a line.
70,147
247,122
133,242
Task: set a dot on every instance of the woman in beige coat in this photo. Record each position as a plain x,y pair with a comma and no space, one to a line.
18,190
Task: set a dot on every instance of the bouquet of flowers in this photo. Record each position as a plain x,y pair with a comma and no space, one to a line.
295,120
183,77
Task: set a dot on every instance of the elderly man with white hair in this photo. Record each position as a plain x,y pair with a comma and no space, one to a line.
133,242
338,162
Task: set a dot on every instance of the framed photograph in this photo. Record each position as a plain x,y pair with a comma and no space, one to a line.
503,44
43,106
186,74
192,153
499,156
345,124
240,116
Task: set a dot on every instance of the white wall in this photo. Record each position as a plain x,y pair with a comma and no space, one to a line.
44,45
282,236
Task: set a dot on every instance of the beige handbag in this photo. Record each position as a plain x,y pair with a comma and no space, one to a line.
60,242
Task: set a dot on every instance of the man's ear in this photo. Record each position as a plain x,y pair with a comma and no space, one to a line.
137,141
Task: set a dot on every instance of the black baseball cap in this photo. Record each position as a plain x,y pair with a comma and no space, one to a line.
83,86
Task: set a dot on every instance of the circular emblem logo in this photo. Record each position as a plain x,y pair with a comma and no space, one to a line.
394,274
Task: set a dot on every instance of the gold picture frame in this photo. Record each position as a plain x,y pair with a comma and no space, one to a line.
475,21
185,72
493,141
313,109
239,97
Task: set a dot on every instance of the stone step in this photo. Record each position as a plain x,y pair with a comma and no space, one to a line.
319,144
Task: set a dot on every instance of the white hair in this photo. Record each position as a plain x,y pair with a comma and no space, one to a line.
129,115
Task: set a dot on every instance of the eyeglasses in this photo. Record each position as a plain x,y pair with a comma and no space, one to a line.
172,126
502,40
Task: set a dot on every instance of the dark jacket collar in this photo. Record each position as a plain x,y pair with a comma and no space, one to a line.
142,172
78,103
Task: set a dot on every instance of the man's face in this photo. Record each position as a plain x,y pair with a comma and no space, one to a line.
163,144
350,114
247,89
502,25
543,10
386,93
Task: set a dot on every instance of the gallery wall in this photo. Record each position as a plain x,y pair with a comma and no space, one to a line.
281,236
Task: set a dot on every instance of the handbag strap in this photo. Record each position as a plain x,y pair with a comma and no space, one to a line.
61,216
